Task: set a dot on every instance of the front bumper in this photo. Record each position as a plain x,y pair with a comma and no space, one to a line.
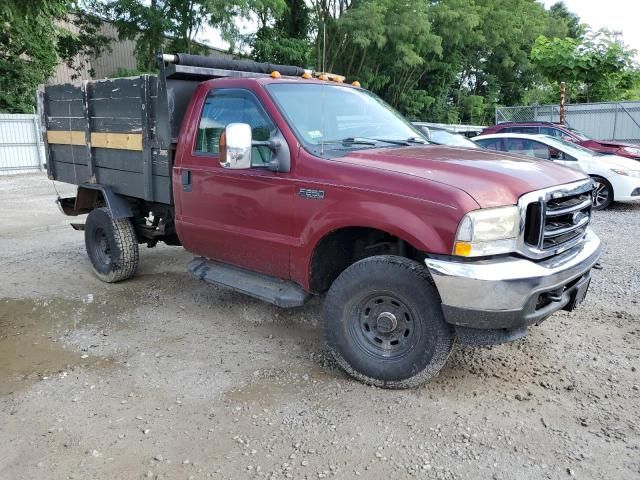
512,293
625,189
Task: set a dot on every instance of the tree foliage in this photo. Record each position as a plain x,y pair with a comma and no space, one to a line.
597,67
34,39
439,60
169,24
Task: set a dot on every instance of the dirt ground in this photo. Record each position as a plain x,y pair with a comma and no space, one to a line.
166,377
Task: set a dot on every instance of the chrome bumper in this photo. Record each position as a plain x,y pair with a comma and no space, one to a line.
512,292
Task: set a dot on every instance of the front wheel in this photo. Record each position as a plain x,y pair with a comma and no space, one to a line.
112,245
603,194
384,324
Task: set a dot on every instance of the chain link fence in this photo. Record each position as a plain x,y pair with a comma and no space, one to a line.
602,121
21,146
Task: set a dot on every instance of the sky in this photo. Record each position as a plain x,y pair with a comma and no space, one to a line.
617,15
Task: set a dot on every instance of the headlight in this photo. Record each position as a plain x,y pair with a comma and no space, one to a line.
627,173
488,232
632,150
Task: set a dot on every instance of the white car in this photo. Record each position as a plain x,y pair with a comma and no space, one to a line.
617,178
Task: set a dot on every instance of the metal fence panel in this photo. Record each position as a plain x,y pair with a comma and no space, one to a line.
602,121
21,147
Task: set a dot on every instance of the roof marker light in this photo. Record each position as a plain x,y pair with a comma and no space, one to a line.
275,74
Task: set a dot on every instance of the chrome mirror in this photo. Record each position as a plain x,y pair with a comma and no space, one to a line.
235,146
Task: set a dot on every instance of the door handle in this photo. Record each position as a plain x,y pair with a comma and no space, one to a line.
186,180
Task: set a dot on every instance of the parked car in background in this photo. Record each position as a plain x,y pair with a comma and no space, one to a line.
617,178
557,130
441,136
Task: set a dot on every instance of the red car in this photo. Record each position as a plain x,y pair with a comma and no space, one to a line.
607,147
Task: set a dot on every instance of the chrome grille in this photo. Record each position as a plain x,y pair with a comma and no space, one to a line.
565,219
555,219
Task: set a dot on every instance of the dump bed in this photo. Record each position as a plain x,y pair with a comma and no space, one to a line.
121,133
106,132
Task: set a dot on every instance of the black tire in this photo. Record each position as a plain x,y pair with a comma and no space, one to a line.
111,245
376,302
603,194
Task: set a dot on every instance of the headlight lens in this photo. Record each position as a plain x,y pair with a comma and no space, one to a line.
627,173
488,232
632,150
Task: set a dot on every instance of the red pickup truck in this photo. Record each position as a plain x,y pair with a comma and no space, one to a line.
285,184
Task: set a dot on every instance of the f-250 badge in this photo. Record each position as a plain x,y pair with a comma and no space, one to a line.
311,193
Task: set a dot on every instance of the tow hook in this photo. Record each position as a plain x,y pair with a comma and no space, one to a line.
597,266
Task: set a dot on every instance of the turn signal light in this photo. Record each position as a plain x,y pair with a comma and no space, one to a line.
462,249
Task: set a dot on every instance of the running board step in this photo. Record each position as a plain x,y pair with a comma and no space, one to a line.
263,287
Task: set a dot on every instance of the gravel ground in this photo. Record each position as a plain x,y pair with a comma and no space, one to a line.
166,377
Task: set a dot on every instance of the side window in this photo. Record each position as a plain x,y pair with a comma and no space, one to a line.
554,132
527,130
491,143
224,107
528,147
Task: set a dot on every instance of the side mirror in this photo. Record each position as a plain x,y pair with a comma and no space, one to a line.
235,146
426,131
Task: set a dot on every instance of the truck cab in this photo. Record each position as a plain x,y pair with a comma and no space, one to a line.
288,186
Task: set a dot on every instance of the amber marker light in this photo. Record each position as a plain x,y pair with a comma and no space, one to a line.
463,249
275,74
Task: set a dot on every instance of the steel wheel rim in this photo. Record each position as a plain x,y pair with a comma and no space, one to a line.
384,326
601,195
101,248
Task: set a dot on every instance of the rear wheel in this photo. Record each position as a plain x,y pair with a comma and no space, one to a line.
603,193
111,245
384,324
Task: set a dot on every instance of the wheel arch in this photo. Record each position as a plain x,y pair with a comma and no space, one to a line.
91,196
340,247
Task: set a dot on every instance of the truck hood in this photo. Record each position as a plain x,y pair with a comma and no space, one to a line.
491,178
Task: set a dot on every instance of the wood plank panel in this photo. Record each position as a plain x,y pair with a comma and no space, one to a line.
66,137
121,141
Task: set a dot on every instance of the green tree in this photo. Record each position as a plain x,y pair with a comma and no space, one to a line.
283,35
34,39
169,24
596,68
384,44
559,11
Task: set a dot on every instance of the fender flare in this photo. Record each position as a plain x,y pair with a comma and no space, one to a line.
79,205
117,204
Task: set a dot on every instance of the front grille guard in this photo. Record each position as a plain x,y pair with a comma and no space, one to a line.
534,203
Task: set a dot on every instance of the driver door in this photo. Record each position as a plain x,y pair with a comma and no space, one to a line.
240,217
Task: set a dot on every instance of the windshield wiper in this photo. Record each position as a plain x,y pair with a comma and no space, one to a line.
374,141
353,141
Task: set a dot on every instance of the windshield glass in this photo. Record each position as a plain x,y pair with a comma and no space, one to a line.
578,133
326,114
569,147
442,137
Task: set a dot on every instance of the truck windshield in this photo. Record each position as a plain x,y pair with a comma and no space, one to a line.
340,117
